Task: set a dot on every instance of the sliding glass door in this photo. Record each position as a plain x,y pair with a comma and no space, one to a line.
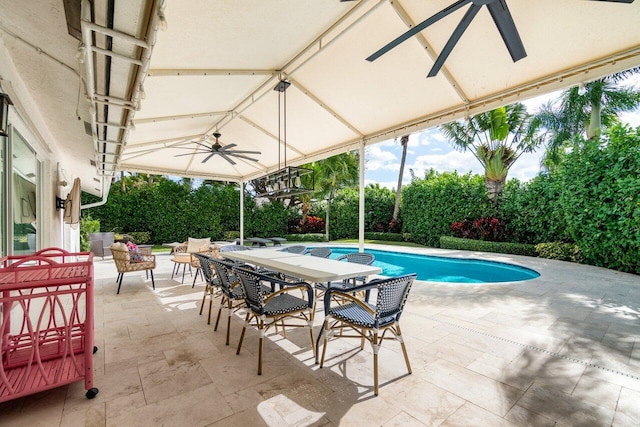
24,168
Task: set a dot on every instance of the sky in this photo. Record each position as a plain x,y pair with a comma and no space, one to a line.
430,149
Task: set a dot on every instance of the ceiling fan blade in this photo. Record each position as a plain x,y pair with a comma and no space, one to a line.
504,21
242,156
202,144
227,158
192,148
186,154
617,1
208,157
234,152
226,147
457,33
415,30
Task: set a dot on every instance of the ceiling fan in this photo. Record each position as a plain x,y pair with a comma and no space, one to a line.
224,151
500,14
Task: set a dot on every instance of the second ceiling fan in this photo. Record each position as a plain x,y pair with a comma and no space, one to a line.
501,17
224,151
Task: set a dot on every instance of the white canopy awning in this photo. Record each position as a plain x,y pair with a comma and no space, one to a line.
215,67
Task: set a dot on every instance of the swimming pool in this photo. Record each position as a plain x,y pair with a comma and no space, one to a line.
443,269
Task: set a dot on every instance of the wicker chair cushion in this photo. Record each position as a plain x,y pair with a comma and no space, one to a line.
198,245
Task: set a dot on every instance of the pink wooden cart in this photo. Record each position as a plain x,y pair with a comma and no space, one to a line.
46,322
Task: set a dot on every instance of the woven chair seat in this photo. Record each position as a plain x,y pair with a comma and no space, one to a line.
356,315
284,303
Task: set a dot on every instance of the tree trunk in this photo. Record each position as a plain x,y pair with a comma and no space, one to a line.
404,141
595,122
326,221
494,189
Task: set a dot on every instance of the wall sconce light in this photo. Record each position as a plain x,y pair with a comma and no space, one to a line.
5,101
59,203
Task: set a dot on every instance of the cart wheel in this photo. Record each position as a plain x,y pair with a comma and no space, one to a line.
91,393
95,349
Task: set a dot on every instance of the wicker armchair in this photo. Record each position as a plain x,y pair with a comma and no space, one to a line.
369,322
127,262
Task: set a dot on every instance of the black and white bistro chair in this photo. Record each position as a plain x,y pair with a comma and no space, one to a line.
273,309
321,252
347,316
212,282
232,294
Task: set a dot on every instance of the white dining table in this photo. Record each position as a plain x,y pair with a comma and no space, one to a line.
306,267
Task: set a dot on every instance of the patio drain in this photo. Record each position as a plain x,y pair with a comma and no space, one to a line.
540,350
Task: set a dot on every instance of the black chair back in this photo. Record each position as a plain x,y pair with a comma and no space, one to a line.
320,252
358,258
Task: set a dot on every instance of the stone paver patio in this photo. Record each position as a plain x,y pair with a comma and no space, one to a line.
563,350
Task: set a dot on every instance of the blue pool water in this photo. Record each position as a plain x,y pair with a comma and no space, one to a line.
442,269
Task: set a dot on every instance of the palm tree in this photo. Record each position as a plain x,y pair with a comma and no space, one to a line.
585,110
334,173
404,141
497,138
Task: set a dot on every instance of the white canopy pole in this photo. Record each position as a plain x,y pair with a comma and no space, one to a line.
241,212
361,201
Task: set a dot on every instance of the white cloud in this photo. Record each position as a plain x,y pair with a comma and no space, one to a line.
378,159
527,166
631,118
448,162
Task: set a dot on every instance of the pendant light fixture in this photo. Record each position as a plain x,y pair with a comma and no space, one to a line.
287,181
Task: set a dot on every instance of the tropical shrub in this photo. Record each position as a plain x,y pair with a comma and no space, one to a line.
601,198
560,251
140,237
430,205
491,229
88,225
313,224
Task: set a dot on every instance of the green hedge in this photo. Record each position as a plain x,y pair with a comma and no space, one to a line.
560,251
309,237
533,211
448,242
388,237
